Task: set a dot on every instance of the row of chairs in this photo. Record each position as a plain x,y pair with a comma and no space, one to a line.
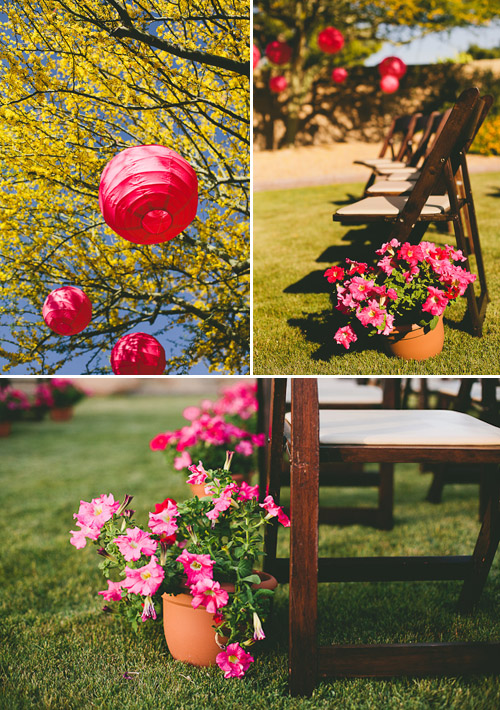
305,441
409,189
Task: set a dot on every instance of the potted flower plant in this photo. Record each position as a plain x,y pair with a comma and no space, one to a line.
212,429
42,401
200,557
64,396
403,297
13,405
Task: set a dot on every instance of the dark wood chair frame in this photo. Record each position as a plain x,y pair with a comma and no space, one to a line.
337,475
444,169
308,662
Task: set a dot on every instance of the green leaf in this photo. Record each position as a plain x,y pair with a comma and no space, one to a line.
252,578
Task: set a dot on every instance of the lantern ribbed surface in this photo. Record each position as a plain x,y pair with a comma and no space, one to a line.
138,354
330,40
67,310
278,52
148,194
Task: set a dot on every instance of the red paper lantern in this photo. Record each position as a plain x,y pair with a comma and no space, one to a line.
67,310
148,194
256,56
330,40
278,52
339,75
138,354
392,66
277,84
389,84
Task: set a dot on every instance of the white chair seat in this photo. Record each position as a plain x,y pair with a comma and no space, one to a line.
451,389
393,205
342,392
389,187
386,170
396,427
380,162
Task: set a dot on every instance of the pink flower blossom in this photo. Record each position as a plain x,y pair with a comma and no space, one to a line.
191,413
98,511
436,301
222,503
258,439
144,580
197,567
149,611
360,287
135,543
386,264
389,323
345,336
244,447
274,510
411,273
371,314
164,521
356,267
160,442
198,474
234,661
182,461
114,591
79,537
389,247
411,253
247,492
335,273
258,631
209,594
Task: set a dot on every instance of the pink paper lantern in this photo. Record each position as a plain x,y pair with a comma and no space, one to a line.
138,354
339,75
67,310
330,40
278,52
389,84
277,84
392,66
256,56
148,194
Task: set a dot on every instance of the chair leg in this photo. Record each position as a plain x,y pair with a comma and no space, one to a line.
486,545
435,492
386,497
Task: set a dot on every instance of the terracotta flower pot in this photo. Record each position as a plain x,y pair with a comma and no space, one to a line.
189,633
5,428
411,342
198,489
61,414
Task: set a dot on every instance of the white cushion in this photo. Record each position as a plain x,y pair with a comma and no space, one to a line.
404,175
436,204
380,162
344,391
388,187
396,427
386,169
451,389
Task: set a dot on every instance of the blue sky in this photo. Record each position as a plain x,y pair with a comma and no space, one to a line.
438,45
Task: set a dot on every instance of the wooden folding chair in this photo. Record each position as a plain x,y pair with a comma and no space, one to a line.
387,437
402,128
347,395
437,196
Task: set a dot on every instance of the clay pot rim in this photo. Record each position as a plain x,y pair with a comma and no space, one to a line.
184,598
408,330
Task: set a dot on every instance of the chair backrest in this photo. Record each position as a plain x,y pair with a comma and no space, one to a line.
405,127
435,124
445,159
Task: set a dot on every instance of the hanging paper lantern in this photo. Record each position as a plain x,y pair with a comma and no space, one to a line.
278,52
389,84
256,56
138,354
67,310
277,84
339,75
148,194
392,66
330,40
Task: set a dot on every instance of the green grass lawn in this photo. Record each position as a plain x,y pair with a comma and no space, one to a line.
59,651
295,241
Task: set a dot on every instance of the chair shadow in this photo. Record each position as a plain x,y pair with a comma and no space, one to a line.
495,193
314,282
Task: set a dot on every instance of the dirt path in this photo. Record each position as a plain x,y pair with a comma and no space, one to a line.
304,167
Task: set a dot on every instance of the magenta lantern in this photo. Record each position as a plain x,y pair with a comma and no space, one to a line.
389,84
278,52
148,194
393,66
330,40
277,84
138,354
256,56
339,75
67,310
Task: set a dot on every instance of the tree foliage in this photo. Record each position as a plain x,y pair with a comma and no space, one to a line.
82,80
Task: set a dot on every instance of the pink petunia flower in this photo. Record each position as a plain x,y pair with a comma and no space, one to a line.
411,253
247,492
258,631
274,510
244,447
149,611
356,267
198,474
221,503
114,591
191,413
98,511
389,247
182,461
87,532
360,288
209,594
335,273
144,580
389,323
197,567
234,661
164,521
436,301
345,336
135,543
372,314
160,442
386,265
